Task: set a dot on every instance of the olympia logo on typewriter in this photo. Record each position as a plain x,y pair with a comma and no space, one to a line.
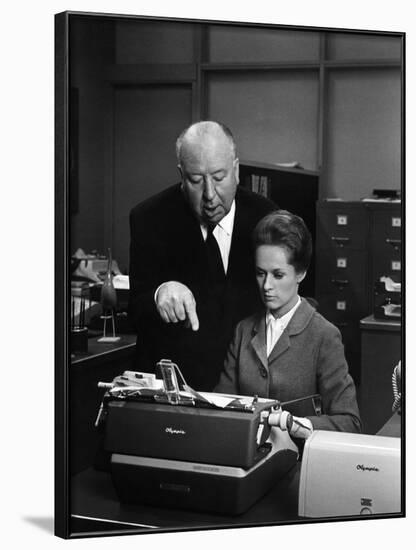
172,431
367,468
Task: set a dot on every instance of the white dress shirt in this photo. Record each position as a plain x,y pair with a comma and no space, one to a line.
302,427
223,233
276,326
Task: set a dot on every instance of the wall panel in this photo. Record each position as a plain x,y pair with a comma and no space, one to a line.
363,140
154,42
273,115
147,121
363,46
251,44
91,49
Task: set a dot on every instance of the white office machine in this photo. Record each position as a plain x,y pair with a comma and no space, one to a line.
344,474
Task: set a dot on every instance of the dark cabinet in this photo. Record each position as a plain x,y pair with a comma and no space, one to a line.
357,242
101,363
381,351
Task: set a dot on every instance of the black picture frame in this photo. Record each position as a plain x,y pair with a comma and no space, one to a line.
68,197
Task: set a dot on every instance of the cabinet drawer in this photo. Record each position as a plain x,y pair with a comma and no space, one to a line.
389,266
339,268
342,226
387,225
386,242
342,307
386,261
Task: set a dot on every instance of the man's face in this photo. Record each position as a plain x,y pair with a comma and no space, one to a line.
209,174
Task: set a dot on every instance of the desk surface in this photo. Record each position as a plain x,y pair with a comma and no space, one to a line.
371,323
97,350
95,509
393,427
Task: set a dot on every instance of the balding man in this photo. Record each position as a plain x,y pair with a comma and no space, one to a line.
191,263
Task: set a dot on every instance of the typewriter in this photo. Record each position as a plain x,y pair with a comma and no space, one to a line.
174,447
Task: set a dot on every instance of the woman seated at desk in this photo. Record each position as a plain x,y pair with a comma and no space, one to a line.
288,350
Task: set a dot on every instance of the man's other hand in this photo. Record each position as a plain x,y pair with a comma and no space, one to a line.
175,302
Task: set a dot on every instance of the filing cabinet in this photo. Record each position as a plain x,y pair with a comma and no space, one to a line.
341,225
357,242
385,243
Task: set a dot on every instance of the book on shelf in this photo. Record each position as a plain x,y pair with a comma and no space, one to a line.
264,186
258,184
255,183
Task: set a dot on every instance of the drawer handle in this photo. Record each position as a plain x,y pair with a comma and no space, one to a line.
340,282
341,241
395,243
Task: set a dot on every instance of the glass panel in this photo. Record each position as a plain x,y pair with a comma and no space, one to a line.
253,44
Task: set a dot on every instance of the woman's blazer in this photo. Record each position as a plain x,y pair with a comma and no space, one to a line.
308,358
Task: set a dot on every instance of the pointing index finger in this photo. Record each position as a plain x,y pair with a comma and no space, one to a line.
190,309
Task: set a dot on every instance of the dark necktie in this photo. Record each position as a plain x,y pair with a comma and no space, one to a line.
216,267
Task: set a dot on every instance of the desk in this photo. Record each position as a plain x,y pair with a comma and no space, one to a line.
102,362
100,353
95,508
380,352
93,496
393,427
92,492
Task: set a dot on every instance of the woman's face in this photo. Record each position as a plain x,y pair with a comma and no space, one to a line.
277,279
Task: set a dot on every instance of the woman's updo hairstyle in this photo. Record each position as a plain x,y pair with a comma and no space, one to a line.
282,228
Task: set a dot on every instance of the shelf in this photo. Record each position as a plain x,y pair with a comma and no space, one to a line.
262,66
371,323
276,167
364,64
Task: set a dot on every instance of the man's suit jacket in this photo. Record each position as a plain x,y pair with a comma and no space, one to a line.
167,245
308,358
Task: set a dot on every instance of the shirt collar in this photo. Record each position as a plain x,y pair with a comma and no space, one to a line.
284,320
227,222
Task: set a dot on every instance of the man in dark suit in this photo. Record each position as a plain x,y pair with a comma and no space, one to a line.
191,262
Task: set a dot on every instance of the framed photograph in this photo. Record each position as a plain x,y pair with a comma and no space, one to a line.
176,409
